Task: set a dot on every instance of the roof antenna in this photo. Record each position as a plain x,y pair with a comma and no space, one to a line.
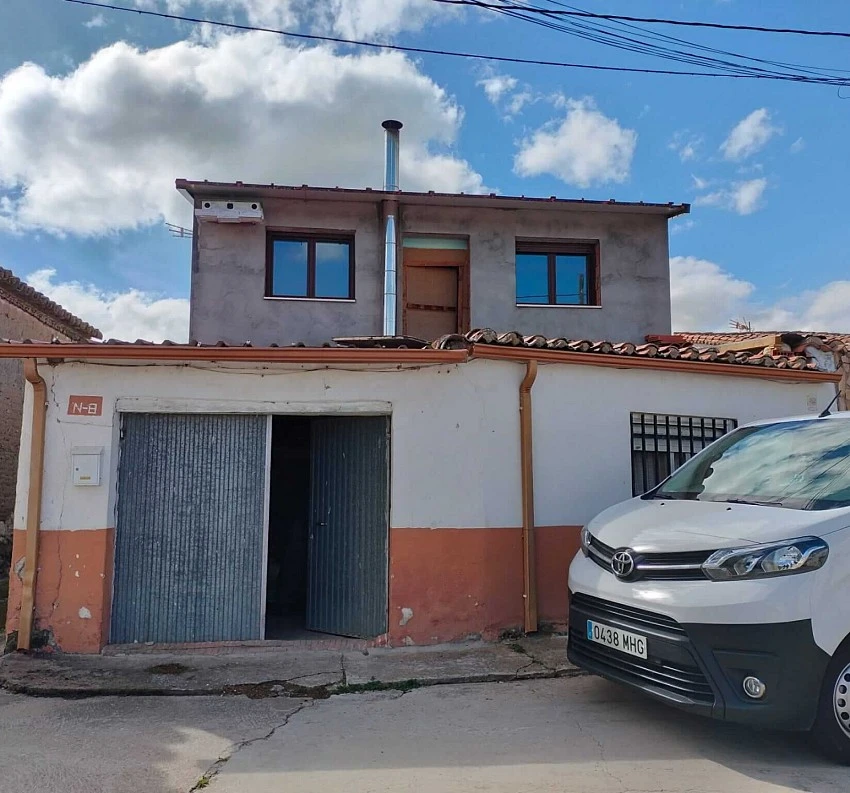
825,411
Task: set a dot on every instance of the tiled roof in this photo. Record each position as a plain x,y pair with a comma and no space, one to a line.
34,302
671,352
723,338
458,346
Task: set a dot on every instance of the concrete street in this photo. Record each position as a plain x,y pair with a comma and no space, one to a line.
571,734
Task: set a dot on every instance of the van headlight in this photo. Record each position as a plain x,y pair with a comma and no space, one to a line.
764,561
585,540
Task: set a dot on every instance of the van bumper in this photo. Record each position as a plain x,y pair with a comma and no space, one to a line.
701,667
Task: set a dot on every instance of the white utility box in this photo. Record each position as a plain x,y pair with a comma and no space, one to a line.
85,465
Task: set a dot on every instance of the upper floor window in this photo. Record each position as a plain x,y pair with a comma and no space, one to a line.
310,265
557,273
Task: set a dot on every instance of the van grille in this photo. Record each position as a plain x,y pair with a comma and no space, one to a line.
671,668
678,566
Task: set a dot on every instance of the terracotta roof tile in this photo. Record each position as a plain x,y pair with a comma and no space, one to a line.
51,313
684,352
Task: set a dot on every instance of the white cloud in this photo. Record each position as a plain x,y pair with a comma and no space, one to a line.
363,18
742,197
127,315
506,93
797,146
497,85
585,148
703,295
700,183
685,144
97,21
348,18
682,225
749,135
98,149
706,297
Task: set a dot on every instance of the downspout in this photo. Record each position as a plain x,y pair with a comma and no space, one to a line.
36,476
529,592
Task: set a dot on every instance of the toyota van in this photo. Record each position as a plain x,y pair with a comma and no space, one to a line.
725,590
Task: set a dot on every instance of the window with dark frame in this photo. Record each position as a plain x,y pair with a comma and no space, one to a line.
319,266
557,273
661,443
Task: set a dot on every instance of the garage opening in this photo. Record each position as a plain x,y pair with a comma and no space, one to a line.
289,517
328,527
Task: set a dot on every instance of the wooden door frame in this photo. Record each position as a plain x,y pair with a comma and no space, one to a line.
439,257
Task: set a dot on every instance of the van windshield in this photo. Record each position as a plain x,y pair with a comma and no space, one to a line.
793,464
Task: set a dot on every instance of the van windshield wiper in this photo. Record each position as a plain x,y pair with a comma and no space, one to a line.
754,502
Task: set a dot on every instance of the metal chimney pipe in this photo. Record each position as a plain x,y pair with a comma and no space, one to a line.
390,208
391,164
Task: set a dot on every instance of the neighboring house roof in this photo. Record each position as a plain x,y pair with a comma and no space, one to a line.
723,338
222,190
43,308
669,352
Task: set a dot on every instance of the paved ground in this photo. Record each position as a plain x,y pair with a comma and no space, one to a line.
570,734
287,667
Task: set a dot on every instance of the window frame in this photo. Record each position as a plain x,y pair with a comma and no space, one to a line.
553,248
310,238
645,427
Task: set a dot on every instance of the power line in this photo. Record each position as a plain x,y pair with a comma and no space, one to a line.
457,54
655,21
643,42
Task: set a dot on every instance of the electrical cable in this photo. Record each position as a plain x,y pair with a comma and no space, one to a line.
456,54
598,33
662,21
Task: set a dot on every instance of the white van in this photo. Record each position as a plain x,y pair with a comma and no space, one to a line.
726,589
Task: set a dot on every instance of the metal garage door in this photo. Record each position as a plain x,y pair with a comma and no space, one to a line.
189,540
347,591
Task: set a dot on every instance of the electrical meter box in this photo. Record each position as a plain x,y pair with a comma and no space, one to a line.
85,465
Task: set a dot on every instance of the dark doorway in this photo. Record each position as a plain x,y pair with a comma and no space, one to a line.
328,527
289,517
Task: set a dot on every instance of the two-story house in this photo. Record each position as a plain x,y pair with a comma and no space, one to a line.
282,265
424,478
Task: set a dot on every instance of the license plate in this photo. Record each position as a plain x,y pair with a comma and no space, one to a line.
625,642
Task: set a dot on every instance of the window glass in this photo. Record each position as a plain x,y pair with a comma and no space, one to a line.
571,279
289,273
532,278
796,465
332,269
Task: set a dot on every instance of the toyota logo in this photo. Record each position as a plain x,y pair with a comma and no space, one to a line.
622,563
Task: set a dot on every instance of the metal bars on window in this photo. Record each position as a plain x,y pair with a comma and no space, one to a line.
661,443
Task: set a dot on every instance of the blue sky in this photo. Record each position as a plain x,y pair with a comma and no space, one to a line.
93,132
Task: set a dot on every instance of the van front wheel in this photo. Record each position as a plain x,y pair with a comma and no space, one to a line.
831,732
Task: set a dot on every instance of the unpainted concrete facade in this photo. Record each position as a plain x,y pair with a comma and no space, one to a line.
229,271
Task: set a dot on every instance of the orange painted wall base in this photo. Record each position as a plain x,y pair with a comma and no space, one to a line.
451,584
445,584
73,588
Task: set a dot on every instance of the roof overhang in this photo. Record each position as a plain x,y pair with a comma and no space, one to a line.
186,353
237,190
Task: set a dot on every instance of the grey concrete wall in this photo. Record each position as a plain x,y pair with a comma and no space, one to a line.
634,265
228,284
14,324
228,281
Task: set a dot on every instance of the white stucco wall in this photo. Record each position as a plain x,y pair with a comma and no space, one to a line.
455,429
582,430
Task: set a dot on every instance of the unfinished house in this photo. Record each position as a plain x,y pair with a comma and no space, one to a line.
339,452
